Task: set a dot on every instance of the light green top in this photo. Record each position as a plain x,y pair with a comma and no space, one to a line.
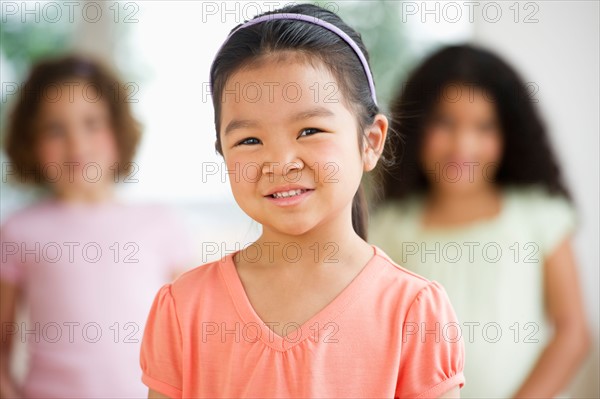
492,270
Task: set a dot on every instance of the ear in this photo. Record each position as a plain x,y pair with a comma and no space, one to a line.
374,142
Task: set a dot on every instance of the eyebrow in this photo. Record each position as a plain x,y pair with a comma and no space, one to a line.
310,113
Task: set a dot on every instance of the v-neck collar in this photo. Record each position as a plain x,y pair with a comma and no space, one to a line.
309,329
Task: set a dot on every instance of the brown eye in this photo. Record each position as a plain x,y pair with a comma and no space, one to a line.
53,131
93,124
487,128
443,121
313,130
249,141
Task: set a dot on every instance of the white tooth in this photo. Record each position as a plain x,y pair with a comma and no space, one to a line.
286,194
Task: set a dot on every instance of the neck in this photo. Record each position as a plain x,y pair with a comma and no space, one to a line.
460,207
82,196
333,241
465,199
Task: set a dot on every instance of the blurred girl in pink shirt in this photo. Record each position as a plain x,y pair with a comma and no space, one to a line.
84,265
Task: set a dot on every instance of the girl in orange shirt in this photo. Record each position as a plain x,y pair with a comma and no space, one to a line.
310,309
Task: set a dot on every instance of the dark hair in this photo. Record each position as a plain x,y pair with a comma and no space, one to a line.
22,136
527,157
248,45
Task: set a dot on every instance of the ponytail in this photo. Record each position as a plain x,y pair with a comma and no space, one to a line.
360,213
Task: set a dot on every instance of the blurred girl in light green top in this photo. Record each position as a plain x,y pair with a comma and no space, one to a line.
475,201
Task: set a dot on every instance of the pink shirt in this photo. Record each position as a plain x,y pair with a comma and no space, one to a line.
88,274
389,333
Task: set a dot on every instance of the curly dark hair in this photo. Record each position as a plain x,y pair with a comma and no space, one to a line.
527,157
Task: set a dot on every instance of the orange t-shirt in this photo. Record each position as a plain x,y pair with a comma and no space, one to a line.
389,333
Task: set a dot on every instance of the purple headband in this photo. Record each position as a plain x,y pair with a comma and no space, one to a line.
320,22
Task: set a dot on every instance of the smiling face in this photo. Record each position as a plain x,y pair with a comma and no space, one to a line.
290,145
75,134
463,143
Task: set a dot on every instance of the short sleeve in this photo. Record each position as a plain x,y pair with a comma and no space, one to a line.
162,346
433,352
11,267
558,219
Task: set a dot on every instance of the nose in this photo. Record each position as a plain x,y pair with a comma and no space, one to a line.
76,143
282,160
466,142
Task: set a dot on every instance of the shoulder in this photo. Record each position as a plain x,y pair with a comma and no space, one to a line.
198,280
414,298
551,217
162,221
542,208
191,293
153,211
401,280
27,217
536,200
